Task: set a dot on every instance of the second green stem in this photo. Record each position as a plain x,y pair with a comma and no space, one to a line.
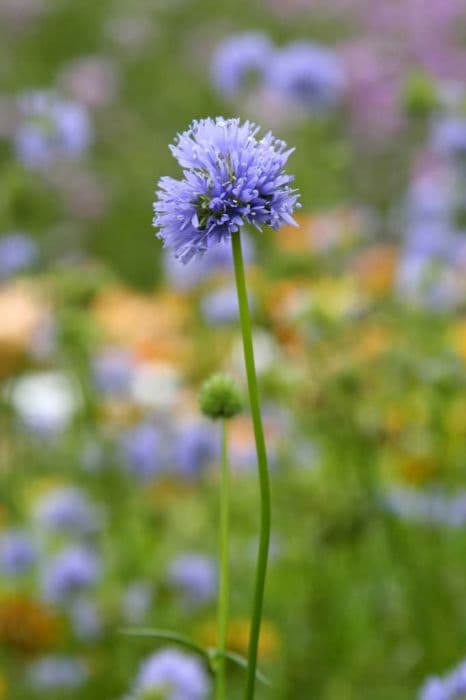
223,593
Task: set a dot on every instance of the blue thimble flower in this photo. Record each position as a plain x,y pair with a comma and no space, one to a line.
308,74
174,674
238,58
50,128
17,553
57,673
230,178
72,571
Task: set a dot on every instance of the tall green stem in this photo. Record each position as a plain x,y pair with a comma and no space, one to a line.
264,537
223,592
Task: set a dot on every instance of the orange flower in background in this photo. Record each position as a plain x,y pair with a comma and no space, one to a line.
375,269
152,325
27,625
373,342
320,232
22,311
417,469
238,637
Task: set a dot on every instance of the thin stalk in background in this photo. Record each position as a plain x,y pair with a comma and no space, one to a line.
264,481
223,590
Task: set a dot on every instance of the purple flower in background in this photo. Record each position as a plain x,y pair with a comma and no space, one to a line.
432,507
112,371
452,686
215,260
17,253
308,74
73,570
196,446
173,673
238,59
86,619
57,673
449,137
67,509
17,553
136,602
220,306
195,575
50,128
92,80
143,451
231,178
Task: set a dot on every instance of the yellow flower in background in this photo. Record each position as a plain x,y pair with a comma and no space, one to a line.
458,338
455,418
238,637
335,297
27,625
374,269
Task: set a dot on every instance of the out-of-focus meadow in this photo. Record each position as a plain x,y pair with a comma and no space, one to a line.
109,475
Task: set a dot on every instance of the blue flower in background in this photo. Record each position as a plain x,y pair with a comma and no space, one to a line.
86,619
112,371
449,687
17,253
239,59
449,137
195,575
73,570
143,451
50,128
308,74
67,509
57,673
220,306
173,673
196,445
231,178
136,601
216,260
17,553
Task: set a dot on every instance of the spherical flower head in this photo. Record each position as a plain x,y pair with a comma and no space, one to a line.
173,674
17,252
231,178
308,74
239,58
57,673
142,450
67,509
196,446
17,553
220,397
50,128
73,570
449,137
195,575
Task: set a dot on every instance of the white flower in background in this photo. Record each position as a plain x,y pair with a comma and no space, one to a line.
155,385
45,402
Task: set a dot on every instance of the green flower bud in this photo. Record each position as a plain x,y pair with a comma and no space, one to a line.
220,397
420,95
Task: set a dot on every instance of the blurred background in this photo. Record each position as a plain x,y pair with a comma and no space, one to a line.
108,473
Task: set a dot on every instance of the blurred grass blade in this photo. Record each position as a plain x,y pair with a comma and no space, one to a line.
167,635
